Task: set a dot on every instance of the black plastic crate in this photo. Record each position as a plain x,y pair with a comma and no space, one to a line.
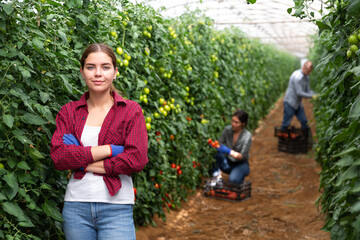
294,140
228,191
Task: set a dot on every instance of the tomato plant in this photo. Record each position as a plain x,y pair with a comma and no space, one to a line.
337,111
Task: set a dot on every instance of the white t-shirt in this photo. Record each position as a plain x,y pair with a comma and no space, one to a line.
92,188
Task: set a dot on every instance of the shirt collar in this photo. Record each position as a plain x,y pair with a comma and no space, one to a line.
117,99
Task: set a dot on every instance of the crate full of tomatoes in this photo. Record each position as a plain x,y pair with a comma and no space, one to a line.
228,191
293,140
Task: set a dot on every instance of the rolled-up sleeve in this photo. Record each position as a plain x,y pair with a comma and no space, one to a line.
134,157
64,156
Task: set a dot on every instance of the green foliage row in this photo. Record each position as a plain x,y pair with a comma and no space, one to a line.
201,73
337,116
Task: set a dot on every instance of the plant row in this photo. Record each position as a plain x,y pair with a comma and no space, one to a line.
337,112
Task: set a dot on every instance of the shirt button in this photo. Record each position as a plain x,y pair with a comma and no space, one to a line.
83,118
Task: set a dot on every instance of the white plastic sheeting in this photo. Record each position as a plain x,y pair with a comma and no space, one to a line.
267,20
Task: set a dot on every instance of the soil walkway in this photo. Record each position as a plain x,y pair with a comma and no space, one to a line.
284,190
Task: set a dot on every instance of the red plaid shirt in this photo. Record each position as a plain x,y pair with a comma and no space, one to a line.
124,125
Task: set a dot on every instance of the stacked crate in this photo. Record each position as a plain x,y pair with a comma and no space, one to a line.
294,140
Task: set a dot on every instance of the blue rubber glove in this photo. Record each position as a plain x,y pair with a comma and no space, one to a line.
69,139
116,149
223,149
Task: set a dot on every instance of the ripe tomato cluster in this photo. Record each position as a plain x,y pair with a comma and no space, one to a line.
177,167
286,135
214,144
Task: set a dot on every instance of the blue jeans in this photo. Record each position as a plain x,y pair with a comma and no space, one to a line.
289,112
98,221
237,170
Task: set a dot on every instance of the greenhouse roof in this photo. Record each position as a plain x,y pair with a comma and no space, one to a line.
267,20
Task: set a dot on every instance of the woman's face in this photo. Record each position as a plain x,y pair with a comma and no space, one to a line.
236,124
98,72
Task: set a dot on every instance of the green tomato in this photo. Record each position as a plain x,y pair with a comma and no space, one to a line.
147,51
187,88
167,108
354,48
161,101
204,121
353,39
119,50
128,57
156,115
172,100
126,62
349,53
114,34
148,119
161,109
148,126
1,166
146,90
165,113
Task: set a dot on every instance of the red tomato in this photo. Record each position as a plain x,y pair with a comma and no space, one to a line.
178,167
157,185
173,165
135,191
179,172
209,141
232,195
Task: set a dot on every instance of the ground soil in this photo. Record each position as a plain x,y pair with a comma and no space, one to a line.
282,205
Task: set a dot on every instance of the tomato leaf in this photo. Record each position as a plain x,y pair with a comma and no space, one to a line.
15,210
35,154
8,120
10,179
33,119
346,151
356,207
20,135
52,212
7,8
345,161
66,83
23,165
355,108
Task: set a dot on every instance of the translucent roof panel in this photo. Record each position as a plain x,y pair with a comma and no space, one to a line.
267,20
